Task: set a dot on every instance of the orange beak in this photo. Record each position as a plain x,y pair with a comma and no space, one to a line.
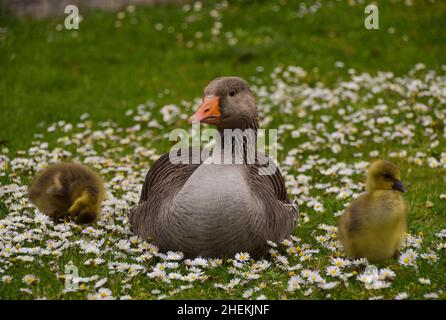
208,112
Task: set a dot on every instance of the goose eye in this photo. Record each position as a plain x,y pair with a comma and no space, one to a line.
232,93
388,176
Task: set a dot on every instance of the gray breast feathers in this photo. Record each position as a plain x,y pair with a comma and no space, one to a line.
212,210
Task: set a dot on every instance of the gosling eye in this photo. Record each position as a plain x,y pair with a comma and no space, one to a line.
231,93
388,176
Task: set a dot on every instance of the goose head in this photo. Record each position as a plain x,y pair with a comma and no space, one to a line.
228,103
384,175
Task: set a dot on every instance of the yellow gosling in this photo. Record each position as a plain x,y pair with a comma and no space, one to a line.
374,224
68,190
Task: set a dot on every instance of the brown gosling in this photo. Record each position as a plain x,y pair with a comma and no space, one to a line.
374,224
68,190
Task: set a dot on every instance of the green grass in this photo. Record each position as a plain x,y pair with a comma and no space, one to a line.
48,76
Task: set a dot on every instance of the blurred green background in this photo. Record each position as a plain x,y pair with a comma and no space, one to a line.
167,53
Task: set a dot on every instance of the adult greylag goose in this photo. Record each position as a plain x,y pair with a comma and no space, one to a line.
210,209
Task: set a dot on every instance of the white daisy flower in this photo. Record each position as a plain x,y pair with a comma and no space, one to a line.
30,279
333,271
242,257
401,296
408,258
424,281
294,283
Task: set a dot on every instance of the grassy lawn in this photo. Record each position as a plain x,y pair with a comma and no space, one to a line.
335,113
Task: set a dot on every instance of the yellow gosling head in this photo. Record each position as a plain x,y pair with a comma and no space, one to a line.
86,208
384,175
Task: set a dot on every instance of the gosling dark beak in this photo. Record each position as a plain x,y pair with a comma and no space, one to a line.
398,185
